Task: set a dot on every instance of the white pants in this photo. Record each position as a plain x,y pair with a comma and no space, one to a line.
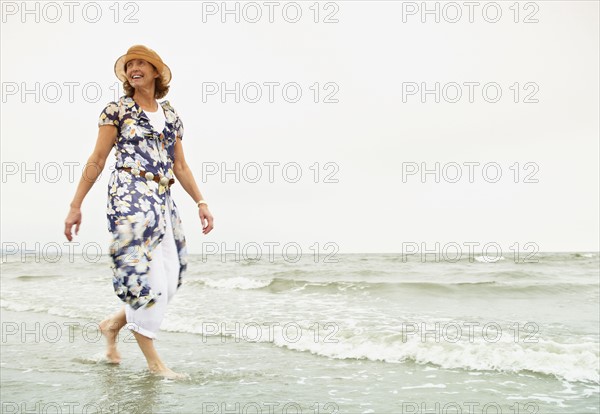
163,277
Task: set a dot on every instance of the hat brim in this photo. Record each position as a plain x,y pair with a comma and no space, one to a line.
163,70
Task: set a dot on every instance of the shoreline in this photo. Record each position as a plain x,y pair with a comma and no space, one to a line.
60,364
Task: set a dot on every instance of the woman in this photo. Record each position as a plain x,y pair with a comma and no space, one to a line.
148,250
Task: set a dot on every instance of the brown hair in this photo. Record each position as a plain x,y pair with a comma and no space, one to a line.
160,89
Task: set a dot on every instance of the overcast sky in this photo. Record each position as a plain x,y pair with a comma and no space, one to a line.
361,127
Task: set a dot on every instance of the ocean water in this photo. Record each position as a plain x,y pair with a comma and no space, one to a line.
368,333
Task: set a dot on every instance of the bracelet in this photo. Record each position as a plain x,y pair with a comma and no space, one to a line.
201,202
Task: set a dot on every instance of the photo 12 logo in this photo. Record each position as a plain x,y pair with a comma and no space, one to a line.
51,252
20,407
288,332
467,407
40,172
270,92
461,331
469,92
291,252
53,12
267,407
469,12
469,171
270,171
270,12
452,252
52,92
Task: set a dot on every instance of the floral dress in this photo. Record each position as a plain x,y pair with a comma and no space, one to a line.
136,206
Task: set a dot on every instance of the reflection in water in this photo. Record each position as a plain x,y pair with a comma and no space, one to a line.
130,392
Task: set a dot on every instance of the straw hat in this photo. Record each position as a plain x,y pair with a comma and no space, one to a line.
147,54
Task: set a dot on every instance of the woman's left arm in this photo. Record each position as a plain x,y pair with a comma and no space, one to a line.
184,175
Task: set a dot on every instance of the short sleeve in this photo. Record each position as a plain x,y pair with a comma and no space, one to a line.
178,126
174,118
109,115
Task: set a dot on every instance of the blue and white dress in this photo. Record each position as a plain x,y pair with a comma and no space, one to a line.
137,206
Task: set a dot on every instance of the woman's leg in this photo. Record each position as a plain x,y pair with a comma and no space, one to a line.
110,328
145,322
155,364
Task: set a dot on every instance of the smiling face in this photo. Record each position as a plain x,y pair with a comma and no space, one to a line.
140,73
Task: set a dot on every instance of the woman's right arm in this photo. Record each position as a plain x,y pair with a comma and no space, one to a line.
92,169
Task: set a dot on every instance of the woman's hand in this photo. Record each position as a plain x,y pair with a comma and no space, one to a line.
205,218
73,218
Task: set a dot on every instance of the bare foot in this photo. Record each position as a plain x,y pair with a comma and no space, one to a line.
108,328
165,372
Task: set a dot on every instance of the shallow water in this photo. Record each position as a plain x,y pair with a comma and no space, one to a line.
370,333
